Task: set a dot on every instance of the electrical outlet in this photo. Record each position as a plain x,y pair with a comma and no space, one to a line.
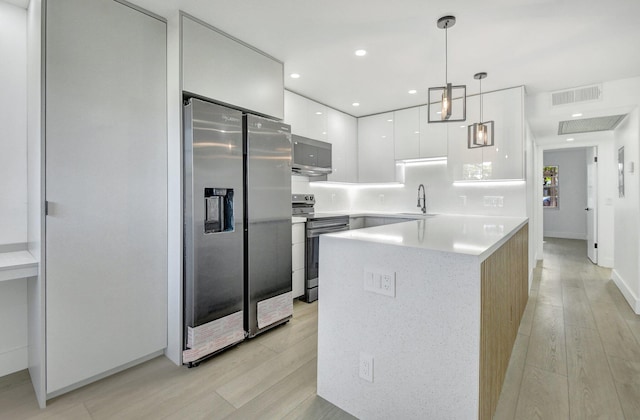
366,366
380,282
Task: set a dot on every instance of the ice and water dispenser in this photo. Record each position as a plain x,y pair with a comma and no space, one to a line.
218,212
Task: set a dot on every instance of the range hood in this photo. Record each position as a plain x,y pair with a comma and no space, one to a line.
311,157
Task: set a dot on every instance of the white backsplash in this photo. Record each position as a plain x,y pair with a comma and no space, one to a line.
443,196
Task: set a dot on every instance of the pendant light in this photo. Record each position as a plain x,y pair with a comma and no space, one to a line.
480,134
445,95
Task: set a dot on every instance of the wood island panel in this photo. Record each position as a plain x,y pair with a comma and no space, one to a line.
504,295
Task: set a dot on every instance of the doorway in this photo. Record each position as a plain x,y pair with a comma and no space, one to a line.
569,198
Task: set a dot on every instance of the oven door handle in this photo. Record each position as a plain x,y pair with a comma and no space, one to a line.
314,233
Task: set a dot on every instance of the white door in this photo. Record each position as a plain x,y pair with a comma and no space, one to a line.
106,169
592,204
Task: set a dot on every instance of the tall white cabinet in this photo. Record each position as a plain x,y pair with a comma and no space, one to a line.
106,184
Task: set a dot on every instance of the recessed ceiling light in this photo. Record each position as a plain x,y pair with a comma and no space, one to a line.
416,132
439,112
356,104
413,92
570,139
294,75
384,137
576,115
463,126
361,53
318,113
390,120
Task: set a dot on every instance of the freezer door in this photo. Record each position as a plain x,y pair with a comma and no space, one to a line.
213,213
269,213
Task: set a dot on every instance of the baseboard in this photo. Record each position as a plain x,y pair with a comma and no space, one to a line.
14,360
605,262
632,299
566,235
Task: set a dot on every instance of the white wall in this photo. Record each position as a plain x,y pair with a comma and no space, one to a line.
569,219
626,271
13,124
13,181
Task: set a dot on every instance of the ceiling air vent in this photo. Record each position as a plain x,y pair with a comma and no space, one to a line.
588,125
581,94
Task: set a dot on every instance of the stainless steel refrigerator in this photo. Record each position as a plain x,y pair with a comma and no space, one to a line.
237,227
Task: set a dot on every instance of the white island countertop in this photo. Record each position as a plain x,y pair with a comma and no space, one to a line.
460,234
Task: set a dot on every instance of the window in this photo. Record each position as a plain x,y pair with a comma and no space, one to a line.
550,193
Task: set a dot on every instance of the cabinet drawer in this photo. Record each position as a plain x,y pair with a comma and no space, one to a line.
297,256
297,283
297,233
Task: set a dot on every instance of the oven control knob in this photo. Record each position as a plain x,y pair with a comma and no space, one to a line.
306,197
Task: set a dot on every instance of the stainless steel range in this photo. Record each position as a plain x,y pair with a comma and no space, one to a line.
317,224
302,204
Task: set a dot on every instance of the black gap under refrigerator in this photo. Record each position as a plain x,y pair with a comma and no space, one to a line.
237,227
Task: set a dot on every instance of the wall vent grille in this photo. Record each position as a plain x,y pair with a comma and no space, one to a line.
581,94
588,125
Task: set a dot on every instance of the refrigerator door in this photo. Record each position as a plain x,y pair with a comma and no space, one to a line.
213,227
268,300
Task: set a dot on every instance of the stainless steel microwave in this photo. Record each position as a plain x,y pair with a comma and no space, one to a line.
311,157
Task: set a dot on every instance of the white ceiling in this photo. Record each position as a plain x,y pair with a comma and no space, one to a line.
545,45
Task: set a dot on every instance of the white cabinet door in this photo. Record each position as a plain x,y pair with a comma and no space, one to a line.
506,158
406,133
376,155
295,113
316,120
106,182
223,69
297,259
343,136
433,137
306,117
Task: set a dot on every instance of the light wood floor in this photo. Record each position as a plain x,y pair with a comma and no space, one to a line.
577,356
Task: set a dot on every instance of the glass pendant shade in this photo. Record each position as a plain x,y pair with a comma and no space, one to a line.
445,114
480,135
447,103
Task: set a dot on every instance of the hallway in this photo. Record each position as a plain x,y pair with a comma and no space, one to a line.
577,355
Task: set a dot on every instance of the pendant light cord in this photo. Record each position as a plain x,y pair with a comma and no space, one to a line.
481,119
446,53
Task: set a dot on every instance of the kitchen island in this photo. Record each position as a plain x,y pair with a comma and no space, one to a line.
418,319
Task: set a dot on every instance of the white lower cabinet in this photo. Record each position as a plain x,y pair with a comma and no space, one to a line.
297,259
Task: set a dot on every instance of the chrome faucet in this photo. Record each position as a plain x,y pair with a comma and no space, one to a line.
422,198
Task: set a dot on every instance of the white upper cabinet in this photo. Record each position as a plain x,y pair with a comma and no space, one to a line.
503,161
295,113
343,135
507,156
316,121
307,118
376,154
415,138
433,137
222,69
406,133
